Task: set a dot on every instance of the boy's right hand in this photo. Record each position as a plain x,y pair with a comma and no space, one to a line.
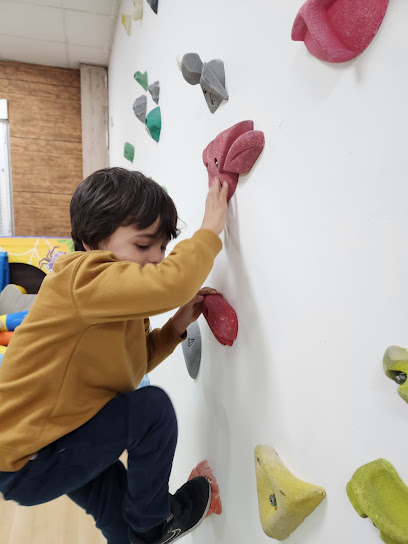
215,213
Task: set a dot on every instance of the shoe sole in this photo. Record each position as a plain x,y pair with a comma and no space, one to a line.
199,522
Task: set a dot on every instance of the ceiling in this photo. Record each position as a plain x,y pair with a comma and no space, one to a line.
61,33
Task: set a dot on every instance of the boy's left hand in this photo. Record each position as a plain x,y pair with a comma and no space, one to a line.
189,312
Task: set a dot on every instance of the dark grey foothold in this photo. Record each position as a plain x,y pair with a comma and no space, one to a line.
192,349
140,107
154,4
154,90
400,377
213,84
272,499
191,68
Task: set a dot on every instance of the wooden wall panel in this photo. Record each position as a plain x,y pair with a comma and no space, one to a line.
45,144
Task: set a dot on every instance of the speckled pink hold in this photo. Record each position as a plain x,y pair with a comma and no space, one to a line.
221,319
338,30
234,151
204,469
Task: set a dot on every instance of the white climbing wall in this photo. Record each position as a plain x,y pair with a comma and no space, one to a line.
315,254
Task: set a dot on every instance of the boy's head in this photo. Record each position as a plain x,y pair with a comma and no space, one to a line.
123,212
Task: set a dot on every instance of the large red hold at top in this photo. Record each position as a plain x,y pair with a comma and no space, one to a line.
234,151
338,30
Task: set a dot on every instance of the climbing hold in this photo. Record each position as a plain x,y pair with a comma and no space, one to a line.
192,349
203,469
376,491
338,30
153,123
210,75
164,189
129,152
221,318
154,4
127,23
191,68
140,108
137,12
234,151
395,364
154,90
142,79
284,501
213,84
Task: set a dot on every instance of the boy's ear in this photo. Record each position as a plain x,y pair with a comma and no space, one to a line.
87,248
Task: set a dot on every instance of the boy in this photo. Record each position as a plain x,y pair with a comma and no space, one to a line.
68,400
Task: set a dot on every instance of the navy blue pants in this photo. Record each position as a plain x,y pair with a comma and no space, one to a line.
84,465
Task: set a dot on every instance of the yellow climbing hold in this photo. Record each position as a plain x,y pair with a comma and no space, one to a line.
395,364
376,491
127,23
284,501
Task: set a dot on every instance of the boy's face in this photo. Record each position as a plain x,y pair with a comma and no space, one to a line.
138,246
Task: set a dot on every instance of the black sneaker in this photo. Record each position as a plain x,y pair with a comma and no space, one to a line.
189,507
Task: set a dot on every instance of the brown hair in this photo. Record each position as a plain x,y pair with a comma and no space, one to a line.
115,197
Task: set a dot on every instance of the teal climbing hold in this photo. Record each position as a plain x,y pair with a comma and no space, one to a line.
129,152
153,123
142,79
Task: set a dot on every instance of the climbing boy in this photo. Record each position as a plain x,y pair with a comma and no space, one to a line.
69,405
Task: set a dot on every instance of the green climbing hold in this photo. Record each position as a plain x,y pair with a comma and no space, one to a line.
129,152
142,79
164,189
153,123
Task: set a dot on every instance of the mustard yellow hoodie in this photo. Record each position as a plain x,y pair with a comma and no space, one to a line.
86,339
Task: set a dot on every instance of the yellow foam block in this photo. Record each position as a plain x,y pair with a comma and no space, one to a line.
376,491
38,252
284,501
395,364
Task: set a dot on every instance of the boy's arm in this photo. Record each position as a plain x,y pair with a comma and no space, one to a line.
161,343
105,289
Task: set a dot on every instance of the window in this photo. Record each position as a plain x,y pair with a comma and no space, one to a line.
6,205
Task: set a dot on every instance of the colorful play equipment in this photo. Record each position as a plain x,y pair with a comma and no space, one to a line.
284,501
4,269
233,152
204,469
9,322
338,30
221,319
5,337
13,298
2,352
395,364
376,491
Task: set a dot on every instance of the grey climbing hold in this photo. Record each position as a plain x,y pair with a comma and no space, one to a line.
400,377
213,83
192,349
140,107
154,4
191,68
210,76
154,90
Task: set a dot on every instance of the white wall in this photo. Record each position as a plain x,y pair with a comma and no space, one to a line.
315,251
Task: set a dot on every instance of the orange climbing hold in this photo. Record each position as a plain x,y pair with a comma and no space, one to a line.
203,469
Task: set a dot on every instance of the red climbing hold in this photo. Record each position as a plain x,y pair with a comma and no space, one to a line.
221,318
234,151
203,469
338,30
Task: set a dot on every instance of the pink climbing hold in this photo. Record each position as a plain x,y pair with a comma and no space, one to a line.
338,30
221,318
203,469
234,151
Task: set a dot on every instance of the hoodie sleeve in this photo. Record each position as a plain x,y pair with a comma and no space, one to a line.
161,343
105,289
